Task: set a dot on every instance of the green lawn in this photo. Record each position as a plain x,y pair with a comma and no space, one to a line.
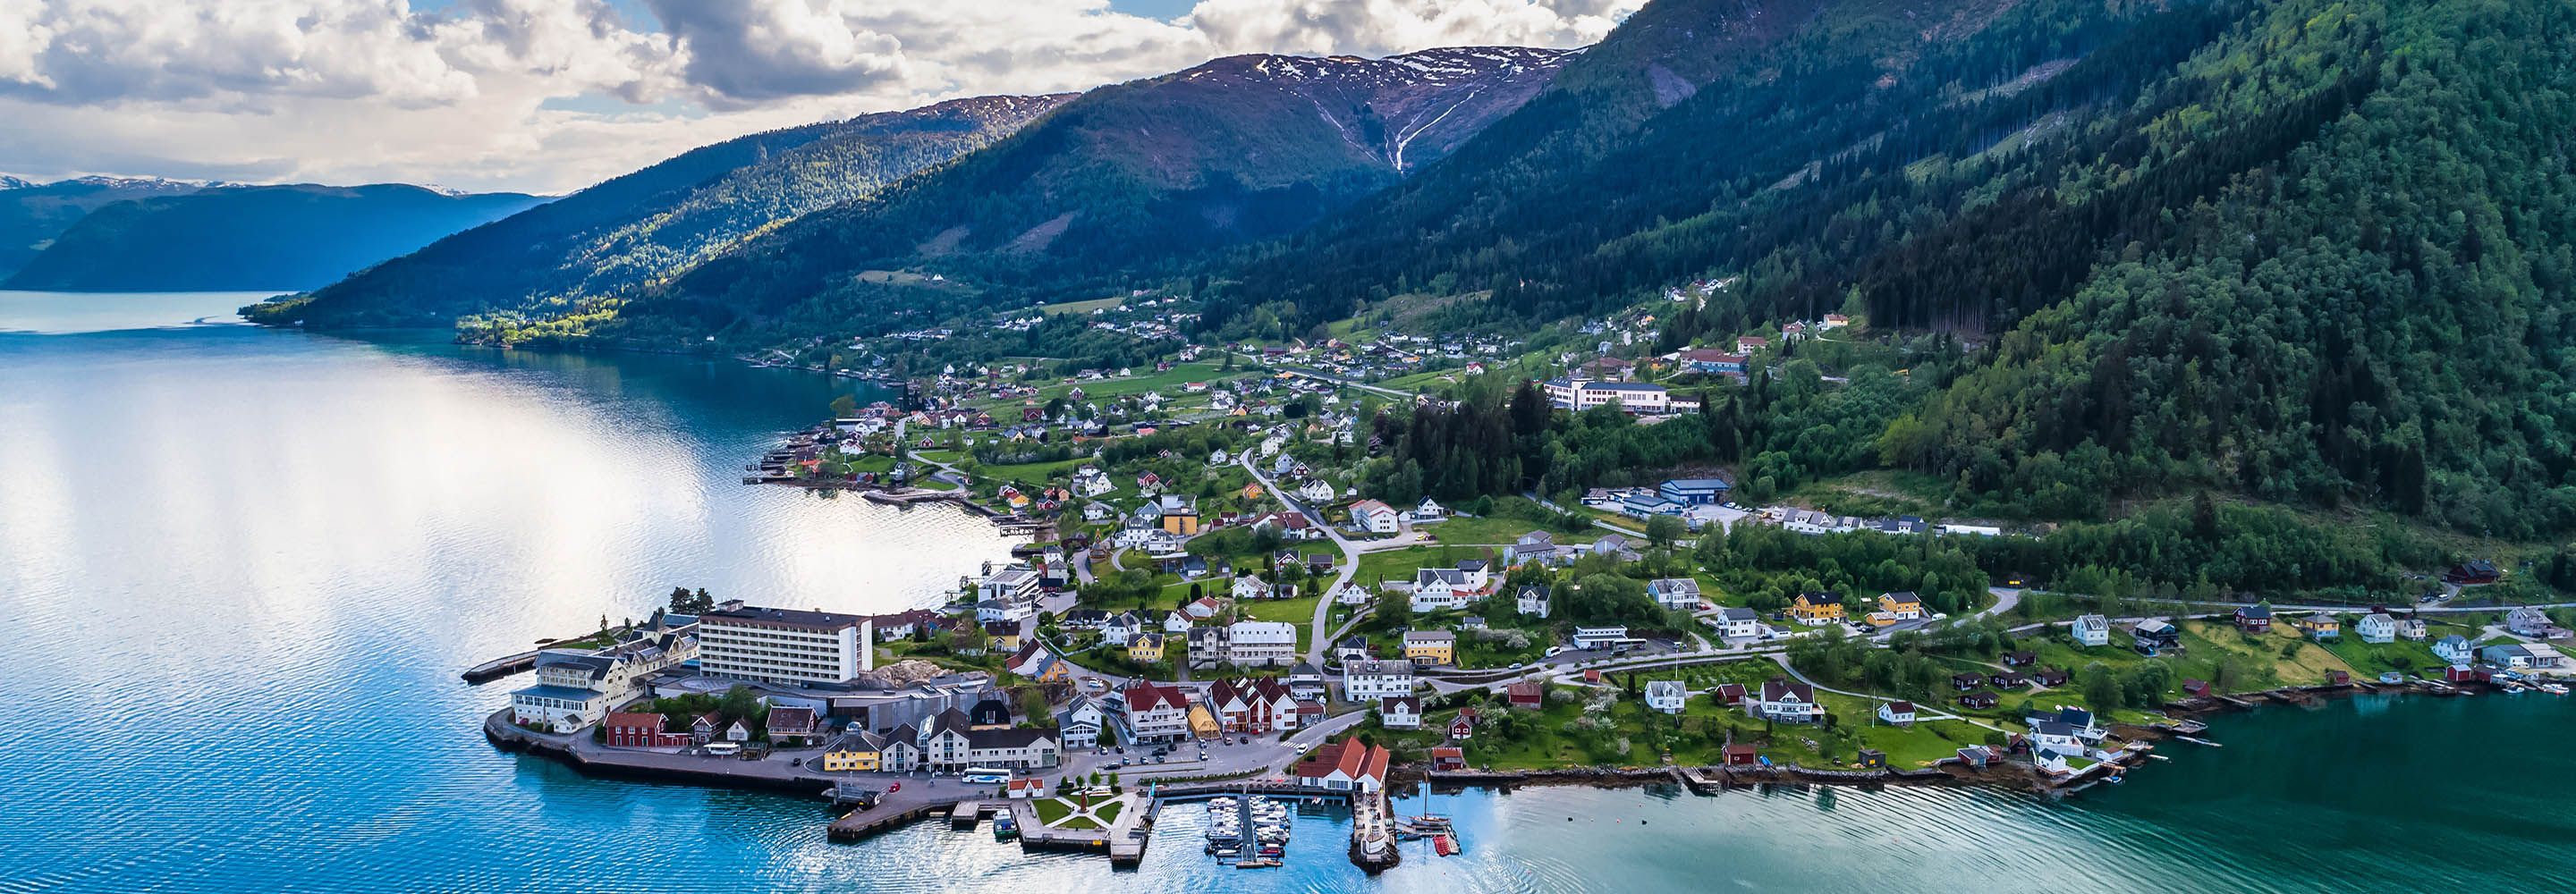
1462,530
1080,307
1400,564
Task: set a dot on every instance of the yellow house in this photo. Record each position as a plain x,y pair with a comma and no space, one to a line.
2321,626
1203,721
1903,606
1252,491
1145,648
1180,515
1431,647
1001,638
1815,609
852,754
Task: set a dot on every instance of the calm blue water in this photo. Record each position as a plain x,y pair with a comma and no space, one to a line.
245,567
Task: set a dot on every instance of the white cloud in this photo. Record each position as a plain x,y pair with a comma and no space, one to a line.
550,95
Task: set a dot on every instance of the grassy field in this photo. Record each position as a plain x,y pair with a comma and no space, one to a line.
1462,530
1081,307
1399,564
1032,473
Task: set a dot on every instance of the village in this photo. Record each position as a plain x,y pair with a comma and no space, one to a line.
1222,599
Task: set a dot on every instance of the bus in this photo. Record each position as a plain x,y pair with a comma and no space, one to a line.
985,775
724,749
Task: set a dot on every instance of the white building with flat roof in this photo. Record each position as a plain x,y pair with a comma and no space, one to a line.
778,645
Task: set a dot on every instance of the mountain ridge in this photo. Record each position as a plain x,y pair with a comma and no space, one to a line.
575,255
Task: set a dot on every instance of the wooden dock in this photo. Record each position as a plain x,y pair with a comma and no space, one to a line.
863,823
501,667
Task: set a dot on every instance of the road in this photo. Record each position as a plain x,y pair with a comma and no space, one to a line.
1317,641
1346,383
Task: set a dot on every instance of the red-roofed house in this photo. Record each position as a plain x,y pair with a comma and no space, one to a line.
640,731
1347,765
1527,694
1151,713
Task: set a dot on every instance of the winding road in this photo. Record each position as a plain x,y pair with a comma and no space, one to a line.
1318,640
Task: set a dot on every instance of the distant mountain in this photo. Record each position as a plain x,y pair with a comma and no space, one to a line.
32,214
1130,177
8,182
252,237
588,247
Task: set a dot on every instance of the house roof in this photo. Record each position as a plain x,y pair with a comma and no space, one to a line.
627,719
1149,696
1782,690
1351,758
791,720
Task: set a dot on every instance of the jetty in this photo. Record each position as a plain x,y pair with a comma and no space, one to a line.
1373,847
503,666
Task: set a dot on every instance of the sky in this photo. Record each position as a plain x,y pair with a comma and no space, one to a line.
548,96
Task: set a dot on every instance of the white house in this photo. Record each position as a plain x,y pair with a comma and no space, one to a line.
1439,589
1316,491
1250,587
1262,643
1533,601
1900,713
1666,695
1368,681
2092,630
1376,517
1785,702
1429,512
1679,593
1148,712
1400,712
2376,627
1739,623
1351,593
1078,724
2456,649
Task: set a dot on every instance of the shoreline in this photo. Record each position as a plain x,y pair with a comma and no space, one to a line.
857,825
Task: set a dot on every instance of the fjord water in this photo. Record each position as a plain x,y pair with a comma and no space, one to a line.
244,566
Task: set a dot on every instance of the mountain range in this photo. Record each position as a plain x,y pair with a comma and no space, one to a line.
564,258
32,214
158,236
2313,251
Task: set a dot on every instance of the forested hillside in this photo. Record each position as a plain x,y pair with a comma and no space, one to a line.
567,261
242,238
2310,251
1127,180
32,214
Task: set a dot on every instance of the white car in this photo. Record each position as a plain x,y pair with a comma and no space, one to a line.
1553,651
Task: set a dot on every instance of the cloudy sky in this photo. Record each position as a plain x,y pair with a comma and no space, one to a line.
551,95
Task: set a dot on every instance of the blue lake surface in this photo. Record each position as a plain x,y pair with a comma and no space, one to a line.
245,566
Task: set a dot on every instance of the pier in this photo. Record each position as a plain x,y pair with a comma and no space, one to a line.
503,666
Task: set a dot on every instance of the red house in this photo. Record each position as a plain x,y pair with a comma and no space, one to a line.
2338,678
2254,618
2196,688
1742,756
1527,694
1730,694
1463,726
1446,758
625,730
